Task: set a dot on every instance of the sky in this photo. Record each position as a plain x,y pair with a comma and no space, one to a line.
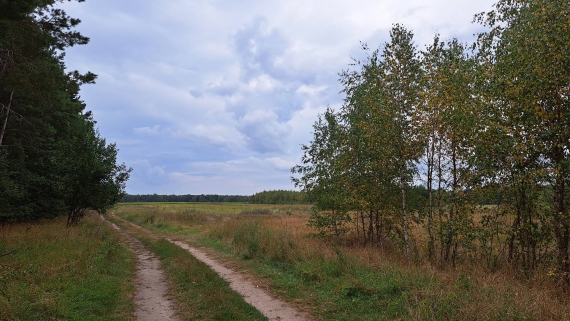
217,96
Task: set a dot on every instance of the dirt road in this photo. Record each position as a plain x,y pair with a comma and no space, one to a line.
269,306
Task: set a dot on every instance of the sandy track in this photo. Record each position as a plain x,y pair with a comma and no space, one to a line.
270,307
151,286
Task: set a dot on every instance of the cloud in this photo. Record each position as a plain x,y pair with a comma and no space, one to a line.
263,132
236,176
259,48
280,163
146,174
217,96
154,130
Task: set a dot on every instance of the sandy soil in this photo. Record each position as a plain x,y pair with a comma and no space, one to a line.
269,306
151,287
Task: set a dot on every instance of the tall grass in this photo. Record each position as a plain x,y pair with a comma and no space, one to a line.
336,279
338,282
59,273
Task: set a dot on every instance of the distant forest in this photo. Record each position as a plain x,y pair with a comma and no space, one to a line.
416,194
186,198
265,197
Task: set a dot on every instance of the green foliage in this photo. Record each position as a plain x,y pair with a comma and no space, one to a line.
52,159
362,159
279,197
322,176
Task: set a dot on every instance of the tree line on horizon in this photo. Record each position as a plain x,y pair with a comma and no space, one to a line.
133,198
487,122
53,160
265,197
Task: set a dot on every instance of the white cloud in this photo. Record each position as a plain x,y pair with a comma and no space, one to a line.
280,163
154,130
263,131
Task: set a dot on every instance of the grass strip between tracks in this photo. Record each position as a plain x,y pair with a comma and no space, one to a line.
199,292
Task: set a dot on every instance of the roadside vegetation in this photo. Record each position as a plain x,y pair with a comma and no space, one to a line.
340,278
50,273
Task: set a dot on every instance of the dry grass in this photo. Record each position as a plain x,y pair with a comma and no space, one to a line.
338,279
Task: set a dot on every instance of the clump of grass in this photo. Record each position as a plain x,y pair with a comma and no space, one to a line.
250,240
59,273
168,219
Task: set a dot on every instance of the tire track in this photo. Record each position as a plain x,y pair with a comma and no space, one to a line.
271,307
151,286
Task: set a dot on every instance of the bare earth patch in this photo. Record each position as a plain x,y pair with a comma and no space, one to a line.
151,301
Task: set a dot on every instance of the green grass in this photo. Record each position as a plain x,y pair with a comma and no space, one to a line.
339,287
59,273
199,292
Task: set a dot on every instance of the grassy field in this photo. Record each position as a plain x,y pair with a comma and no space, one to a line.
342,280
59,273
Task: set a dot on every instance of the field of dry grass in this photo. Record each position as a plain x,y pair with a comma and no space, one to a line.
340,279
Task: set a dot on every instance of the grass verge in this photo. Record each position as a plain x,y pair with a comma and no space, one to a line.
59,273
199,292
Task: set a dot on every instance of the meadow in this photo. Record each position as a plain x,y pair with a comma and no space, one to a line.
49,272
339,279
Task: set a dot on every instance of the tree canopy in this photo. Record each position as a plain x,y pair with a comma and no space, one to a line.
472,124
52,159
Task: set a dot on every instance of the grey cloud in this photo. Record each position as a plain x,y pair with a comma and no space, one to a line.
224,89
196,93
259,47
182,83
